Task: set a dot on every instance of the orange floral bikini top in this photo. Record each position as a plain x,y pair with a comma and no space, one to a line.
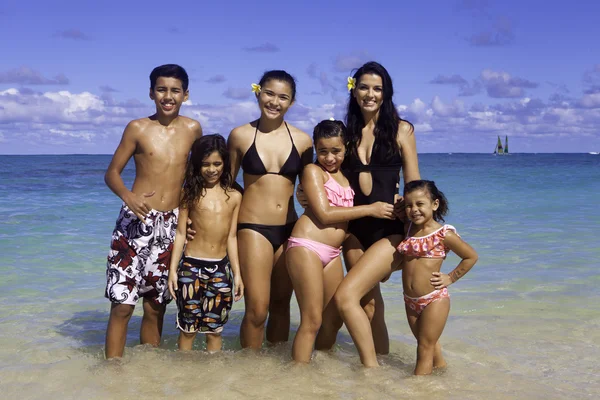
428,246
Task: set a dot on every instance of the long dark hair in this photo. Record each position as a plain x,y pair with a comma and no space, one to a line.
386,128
434,194
194,185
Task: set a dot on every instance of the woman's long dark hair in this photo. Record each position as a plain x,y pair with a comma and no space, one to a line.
194,185
386,128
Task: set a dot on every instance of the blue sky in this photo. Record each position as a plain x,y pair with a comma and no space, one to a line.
72,74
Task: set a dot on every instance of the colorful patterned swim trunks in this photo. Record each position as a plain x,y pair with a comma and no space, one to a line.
204,294
139,257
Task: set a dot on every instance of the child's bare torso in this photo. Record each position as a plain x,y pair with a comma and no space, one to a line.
416,271
160,159
211,218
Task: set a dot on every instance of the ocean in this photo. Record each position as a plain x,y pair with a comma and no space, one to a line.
524,322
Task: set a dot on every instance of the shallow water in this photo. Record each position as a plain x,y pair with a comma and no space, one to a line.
525,322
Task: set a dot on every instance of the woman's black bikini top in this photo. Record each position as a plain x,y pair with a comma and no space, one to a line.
253,165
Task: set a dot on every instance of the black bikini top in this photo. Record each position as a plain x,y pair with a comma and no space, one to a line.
385,174
253,165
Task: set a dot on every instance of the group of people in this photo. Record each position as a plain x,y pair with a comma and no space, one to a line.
188,231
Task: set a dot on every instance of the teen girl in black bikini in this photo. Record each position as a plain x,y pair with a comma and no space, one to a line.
253,165
267,213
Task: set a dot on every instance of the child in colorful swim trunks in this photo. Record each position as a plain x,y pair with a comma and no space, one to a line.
313,251
204,277
140,251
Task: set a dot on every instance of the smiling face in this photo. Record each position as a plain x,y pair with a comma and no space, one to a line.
212,168
369,93
275,98
330,153
168,95
419,206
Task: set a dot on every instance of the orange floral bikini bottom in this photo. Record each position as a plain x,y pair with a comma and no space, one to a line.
418,304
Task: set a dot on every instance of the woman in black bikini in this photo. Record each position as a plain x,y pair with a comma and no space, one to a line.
381,144
271,154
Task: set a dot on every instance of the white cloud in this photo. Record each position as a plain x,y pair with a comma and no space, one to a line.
500,84
84,135
64,119
456,109
591,100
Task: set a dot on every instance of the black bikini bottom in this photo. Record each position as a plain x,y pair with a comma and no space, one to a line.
275,234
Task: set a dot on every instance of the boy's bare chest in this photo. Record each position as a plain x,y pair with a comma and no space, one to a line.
166,144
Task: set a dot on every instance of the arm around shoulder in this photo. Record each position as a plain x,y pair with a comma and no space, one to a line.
232,246
313,182
235,155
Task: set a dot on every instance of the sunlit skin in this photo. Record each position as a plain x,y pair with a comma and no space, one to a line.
314,285
274,99
211,169
369,96
160,145
215,218
330,153
267,200
420,276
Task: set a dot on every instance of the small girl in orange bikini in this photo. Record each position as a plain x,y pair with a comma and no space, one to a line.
313,251
424,249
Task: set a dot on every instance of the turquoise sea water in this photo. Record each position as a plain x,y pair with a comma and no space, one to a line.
525,322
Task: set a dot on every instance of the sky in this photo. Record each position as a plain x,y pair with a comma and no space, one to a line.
74,73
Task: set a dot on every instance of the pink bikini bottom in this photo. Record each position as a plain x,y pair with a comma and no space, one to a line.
325,252
418,304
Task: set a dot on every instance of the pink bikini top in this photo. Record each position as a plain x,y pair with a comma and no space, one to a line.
338,195
429,246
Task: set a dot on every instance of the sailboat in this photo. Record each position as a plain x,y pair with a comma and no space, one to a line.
499,150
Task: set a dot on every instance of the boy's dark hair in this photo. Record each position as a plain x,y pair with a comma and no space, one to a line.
193,186
434,194
328,129
279,75
169,71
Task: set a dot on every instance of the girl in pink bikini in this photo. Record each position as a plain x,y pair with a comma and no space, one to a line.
313,252
426,297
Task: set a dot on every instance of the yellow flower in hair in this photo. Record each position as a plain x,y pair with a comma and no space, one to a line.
256,88
351,83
